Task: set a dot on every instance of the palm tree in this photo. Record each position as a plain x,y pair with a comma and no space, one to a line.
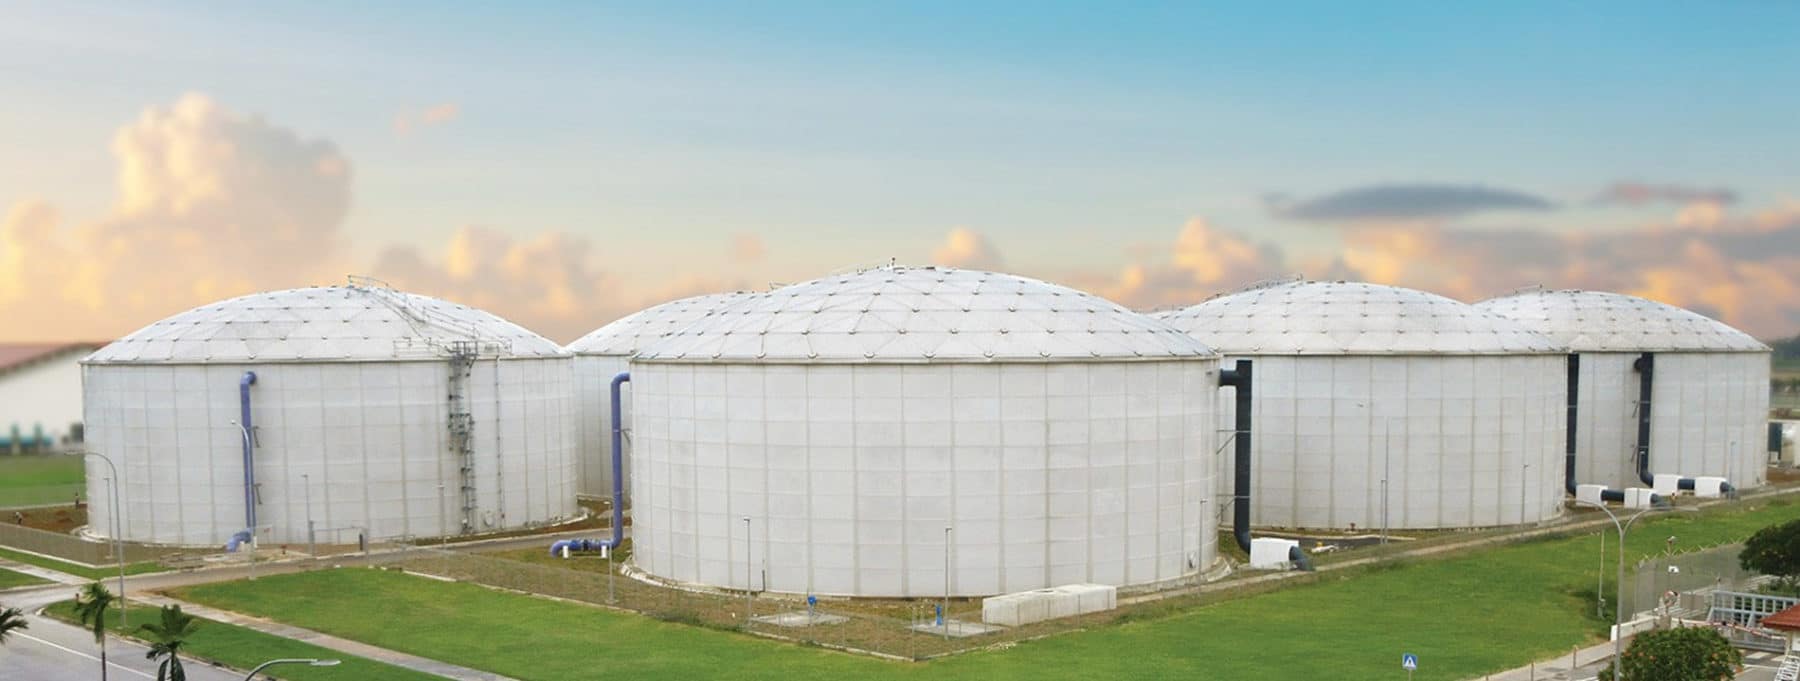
12,620
167,637
90,605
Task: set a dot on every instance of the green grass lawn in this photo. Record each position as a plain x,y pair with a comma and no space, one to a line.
242,648
77,570
9,579
39,479
1465,616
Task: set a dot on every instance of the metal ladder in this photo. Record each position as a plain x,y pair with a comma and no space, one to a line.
462,425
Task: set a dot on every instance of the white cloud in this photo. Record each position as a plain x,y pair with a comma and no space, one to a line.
968,249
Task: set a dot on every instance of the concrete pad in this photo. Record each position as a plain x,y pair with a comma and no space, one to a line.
957,628
800,618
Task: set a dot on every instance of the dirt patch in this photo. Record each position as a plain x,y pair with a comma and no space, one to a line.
59,519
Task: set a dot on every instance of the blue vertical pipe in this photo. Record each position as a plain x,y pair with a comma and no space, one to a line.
618,483
1239,378
244,384
618,463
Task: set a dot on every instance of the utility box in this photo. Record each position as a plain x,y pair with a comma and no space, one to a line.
1589,493
1269,553
1667,484
1709,487
1638,497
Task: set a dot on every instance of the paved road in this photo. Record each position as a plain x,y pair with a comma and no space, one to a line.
53,651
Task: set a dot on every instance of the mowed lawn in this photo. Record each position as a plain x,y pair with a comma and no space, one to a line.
1464,616
39,479
66,567
242,648
9,579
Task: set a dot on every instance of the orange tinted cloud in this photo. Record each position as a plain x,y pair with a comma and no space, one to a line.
406,122
967,249
211,204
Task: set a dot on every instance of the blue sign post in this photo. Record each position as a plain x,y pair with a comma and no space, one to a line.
1409,662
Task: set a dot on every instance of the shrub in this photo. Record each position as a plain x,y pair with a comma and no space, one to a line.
1681,654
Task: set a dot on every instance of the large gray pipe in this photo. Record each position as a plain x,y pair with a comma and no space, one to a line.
1646,368
1608,494
1239,378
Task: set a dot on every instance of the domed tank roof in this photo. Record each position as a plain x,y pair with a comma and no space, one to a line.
628,334
1350,318
1596,321
322,324
924,315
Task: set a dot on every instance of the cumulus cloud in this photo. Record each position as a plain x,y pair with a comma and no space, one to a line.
746,248
1406,202
1639,193
546,283
967,249
1202,260
406,122
211,204
214,204
1742,269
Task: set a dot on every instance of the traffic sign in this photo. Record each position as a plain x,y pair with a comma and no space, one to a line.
1409,661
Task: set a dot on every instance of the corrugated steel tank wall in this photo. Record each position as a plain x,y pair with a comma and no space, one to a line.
1700,404
1050,474
370,435
593,395
1456,434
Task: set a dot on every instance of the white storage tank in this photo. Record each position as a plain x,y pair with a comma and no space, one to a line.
1709,386
822,437
389,413
1459,410
601,355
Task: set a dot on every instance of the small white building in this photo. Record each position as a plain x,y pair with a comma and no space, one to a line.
40,393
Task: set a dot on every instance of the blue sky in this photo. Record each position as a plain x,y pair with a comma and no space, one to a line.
1075,139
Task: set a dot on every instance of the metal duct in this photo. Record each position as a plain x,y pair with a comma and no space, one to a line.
244,383
618,485
1239,378
1608,494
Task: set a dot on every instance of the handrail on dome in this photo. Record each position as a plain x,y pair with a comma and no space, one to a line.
1260,284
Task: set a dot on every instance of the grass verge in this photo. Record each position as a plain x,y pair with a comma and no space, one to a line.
1465,615
242,648
9,579
77,570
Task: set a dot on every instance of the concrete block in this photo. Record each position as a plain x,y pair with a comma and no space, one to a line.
1667,484
1638,497
1589,493
1269,553
1709,486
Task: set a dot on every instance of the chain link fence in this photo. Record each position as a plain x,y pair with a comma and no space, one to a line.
73,548
903,629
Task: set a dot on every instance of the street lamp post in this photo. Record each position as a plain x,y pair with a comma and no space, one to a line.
749,605
249,502
1387,454
112,484
1524,475
312,548
1619,607
305,661
946,583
